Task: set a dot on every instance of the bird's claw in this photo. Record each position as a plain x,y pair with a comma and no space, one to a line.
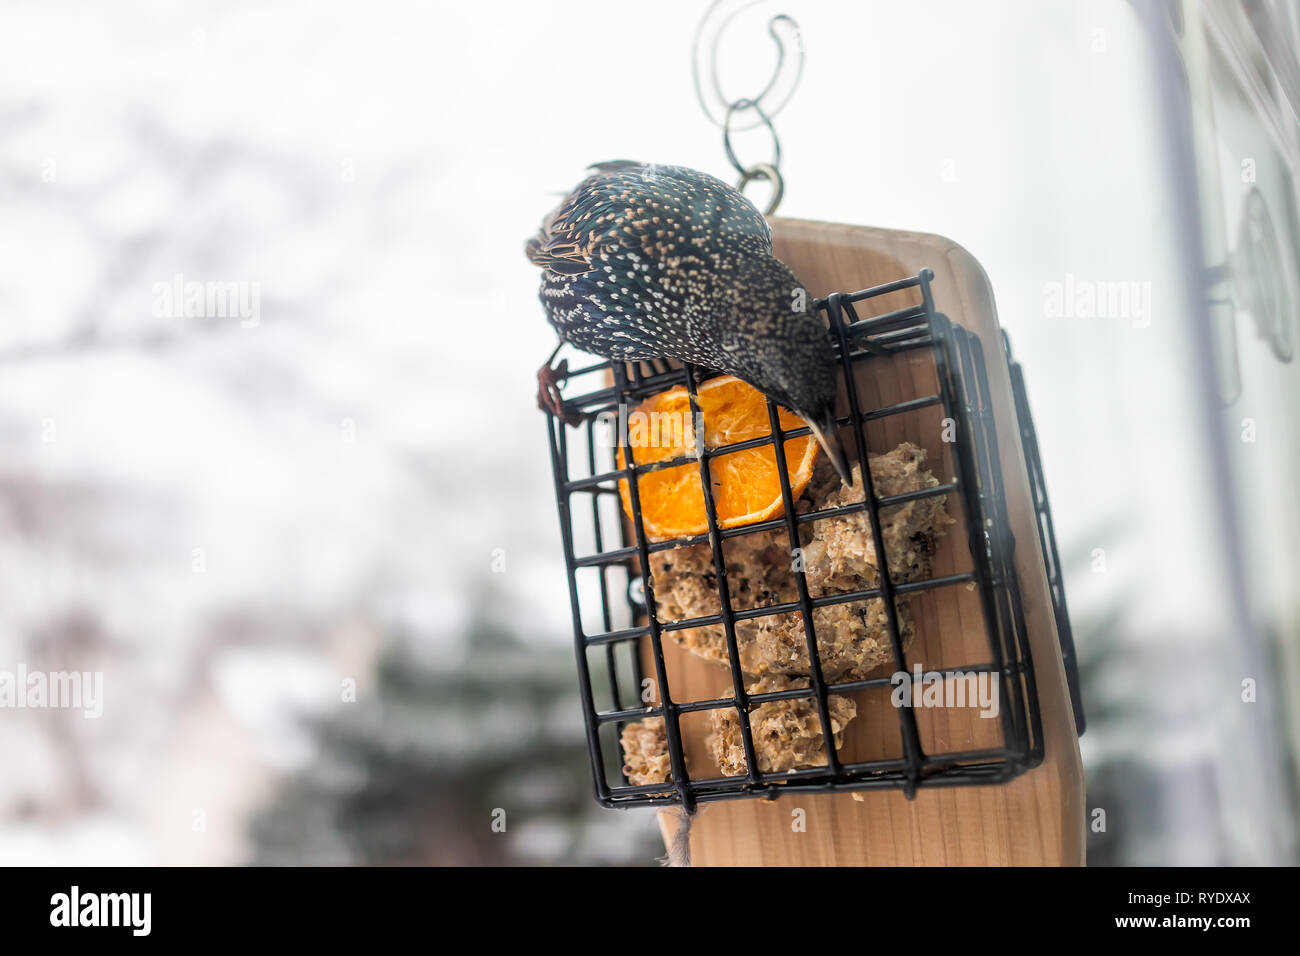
549,398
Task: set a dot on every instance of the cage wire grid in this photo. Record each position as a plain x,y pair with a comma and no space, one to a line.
964,397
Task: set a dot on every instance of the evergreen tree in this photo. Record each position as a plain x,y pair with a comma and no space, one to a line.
417,770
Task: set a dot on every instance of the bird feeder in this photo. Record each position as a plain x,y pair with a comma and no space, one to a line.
925,366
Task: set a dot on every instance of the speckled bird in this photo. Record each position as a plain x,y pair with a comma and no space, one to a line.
644,262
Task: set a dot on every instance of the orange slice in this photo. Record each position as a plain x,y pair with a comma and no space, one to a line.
746,486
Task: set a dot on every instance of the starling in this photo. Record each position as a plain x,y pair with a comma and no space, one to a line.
643,262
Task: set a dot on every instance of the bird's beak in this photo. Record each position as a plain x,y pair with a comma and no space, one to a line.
828,436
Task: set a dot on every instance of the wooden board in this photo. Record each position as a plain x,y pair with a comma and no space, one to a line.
1036,819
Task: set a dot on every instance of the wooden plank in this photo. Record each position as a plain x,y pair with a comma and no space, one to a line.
1037,819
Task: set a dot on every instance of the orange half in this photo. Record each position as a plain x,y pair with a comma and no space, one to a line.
746,485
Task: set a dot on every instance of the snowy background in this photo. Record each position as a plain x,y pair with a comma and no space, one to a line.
231,522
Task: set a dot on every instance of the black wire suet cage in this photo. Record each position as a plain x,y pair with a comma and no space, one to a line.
619,635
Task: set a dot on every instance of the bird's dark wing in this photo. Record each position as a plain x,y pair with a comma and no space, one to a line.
616,208
568,239
559,247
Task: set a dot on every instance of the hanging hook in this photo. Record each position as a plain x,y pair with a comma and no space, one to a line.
760,172
783,30
763,172
732,110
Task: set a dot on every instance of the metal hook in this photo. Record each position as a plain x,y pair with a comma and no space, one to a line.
764,118
763,172
785,76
